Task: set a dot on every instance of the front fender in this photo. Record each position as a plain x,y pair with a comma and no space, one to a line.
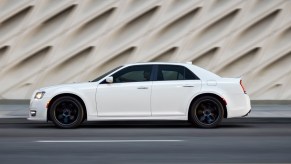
87,96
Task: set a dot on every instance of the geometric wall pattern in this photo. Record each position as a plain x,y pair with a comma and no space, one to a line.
46,42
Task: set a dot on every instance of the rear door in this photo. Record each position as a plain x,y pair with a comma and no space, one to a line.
172,90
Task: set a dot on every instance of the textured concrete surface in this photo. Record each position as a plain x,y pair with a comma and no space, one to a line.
46,42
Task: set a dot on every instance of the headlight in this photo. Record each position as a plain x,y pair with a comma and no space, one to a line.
39,95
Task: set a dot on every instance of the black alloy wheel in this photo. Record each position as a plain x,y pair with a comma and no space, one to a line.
67,112
206,112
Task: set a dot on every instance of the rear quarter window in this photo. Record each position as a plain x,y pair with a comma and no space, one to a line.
174,72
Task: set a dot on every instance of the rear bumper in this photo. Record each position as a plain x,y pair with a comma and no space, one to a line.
248,113
239,107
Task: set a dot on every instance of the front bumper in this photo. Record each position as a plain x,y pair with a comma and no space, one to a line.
38,109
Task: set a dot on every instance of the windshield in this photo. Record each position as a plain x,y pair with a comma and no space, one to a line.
105,74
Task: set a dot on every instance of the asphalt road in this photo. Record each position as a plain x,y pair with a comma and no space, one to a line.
246,140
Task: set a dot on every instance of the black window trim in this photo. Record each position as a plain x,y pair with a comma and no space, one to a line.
154,73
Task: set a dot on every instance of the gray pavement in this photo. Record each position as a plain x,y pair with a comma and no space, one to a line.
14,110
244,140
271,110
262,137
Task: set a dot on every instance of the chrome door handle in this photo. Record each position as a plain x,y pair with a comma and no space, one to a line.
142,88
188,86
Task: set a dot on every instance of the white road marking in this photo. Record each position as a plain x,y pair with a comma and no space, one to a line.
104,141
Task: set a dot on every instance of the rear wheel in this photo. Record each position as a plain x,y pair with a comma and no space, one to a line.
67,112
206,112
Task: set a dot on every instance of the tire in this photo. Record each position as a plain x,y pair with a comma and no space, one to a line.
206,112
67,112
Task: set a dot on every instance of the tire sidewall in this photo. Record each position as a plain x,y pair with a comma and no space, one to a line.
80,116
194,119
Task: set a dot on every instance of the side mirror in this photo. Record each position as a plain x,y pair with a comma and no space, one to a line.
109,79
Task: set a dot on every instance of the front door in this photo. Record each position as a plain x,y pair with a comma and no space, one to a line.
128,95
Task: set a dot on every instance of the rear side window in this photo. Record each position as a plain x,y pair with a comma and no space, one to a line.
173,72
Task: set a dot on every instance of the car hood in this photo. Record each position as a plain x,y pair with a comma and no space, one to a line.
62,85
72,85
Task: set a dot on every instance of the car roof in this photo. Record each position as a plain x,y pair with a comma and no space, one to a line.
169,63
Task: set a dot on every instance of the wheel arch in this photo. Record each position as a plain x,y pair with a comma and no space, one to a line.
221,100
62,95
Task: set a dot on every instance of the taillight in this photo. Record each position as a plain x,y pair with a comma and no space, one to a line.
242,86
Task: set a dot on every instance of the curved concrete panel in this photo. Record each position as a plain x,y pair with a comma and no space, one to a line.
49,42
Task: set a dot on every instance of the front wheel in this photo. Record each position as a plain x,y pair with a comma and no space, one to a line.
206,112
67,112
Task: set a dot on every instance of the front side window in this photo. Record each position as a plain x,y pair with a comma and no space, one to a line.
137,73
174,72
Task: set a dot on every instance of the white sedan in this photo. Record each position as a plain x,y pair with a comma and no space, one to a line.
144,91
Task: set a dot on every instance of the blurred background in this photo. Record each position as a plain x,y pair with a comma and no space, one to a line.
48,42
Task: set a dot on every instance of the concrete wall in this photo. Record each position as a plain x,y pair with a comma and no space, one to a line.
46,42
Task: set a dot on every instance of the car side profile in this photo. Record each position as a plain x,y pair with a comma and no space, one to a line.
144,91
